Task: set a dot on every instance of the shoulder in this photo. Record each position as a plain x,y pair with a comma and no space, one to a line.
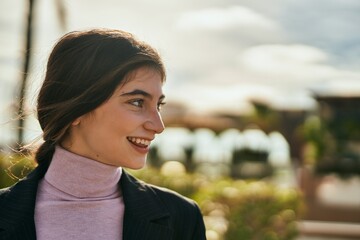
16,206
19,190
24,189
169,198
163,206
186,216
179,206
4,192
173,199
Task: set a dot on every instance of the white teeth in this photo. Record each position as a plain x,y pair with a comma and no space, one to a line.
139,141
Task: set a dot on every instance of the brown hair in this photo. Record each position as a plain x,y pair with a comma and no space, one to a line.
83,71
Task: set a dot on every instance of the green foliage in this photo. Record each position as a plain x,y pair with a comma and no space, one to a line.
254,210
331,145
344,123
233,209
13,168
237,209
185,184
314,133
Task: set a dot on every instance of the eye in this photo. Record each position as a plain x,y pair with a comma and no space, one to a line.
160,104
137,103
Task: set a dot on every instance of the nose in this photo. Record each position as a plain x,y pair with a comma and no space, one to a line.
155,123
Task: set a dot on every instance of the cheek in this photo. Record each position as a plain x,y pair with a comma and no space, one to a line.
116,119
125,122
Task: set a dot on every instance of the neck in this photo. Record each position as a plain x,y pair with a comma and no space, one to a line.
82,177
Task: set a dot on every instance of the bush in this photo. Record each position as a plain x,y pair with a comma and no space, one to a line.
233,209
13,168
236,209
175,179
250,210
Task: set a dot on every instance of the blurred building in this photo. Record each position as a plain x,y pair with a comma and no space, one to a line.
340,117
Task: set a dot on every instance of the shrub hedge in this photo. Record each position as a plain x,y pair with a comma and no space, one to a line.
233,209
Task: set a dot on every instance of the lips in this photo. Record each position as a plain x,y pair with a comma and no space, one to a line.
139,142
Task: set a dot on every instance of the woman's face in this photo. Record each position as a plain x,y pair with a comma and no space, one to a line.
119,132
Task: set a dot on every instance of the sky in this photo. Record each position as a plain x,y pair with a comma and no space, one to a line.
219,54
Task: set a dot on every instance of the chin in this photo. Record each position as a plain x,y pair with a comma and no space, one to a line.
137,164
137,167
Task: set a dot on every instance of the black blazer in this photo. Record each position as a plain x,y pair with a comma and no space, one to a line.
151,213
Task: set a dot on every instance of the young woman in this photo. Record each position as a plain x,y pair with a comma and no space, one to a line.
99,111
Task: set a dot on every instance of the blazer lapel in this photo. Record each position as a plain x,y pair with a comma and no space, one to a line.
145,216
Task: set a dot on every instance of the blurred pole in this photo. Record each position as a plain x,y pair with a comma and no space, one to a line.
61,12
27,56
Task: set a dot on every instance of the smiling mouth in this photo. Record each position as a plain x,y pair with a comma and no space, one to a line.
139,142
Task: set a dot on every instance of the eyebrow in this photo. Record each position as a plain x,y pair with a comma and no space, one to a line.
141,92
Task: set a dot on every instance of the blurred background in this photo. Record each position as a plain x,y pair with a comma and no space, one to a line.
262,106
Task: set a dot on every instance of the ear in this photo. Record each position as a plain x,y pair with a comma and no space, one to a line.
76,122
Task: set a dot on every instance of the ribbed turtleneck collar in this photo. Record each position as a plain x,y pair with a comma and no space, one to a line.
82,177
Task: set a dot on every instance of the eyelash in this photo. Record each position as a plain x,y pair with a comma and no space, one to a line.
140,103
160,104
137,102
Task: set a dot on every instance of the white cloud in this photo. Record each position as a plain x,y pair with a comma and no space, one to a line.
290,63
281,54
201,51
280,75
224,18
216,98
338,87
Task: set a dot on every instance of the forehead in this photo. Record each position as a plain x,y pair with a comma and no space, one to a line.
144,78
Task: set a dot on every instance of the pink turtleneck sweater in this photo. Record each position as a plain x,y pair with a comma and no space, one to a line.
79,198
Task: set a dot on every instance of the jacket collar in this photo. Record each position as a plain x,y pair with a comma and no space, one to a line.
145,214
